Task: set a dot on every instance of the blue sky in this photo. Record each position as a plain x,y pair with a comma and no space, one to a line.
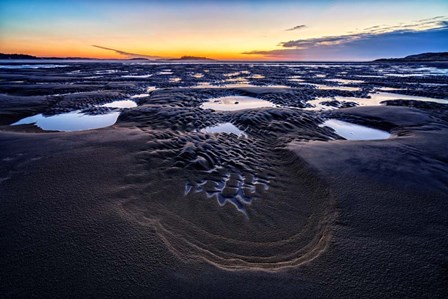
255,30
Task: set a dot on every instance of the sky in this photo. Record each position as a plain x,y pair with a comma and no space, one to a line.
325,30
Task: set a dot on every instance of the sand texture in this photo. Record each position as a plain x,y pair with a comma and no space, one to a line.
155,206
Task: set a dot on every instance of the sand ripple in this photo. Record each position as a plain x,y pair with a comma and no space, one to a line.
236,203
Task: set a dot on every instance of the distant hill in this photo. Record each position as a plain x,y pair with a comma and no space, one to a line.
17,56
424,57
138,58
24,56
187,58
68,58
194,58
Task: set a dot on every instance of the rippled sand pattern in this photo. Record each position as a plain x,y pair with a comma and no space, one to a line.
237,203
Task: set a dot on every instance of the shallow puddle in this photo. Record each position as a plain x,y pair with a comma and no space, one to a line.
374,100
120,104
32,66
377,98
296,79
234,85
137,76
106,72
355,132
234,103
77,120
228,128
71,121
345,81
336,87
141,95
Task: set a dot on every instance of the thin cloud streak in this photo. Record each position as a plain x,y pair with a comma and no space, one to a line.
296,28
136,55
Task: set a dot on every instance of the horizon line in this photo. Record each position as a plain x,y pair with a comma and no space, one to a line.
210,60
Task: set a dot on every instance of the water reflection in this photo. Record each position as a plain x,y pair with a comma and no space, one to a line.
234,103
355,132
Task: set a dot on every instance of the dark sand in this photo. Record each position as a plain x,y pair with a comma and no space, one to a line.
133,210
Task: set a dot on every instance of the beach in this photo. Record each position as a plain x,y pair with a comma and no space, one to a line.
160,199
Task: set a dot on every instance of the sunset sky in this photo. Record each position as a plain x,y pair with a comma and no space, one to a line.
232,30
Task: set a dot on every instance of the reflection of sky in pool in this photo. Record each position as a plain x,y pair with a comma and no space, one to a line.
355,132
137,76
228,128
120,104
234,85
32,66
374,100
142,95
76,120
71,121
337,87
233,103
345,81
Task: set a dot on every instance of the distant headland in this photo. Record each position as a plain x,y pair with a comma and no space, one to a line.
424,57
26,56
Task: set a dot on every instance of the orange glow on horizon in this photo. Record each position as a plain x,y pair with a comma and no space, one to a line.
92,52
221,30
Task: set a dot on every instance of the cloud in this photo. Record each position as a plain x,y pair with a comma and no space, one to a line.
296,28
421,25
374,42
135,55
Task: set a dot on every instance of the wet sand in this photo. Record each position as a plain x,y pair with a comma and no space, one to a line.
153,206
